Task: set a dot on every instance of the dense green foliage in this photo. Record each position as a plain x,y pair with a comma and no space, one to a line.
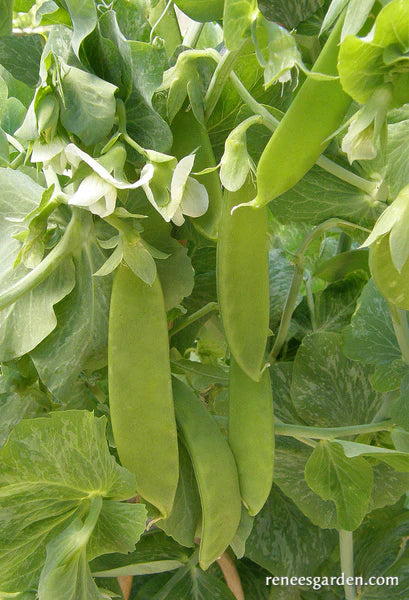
204,286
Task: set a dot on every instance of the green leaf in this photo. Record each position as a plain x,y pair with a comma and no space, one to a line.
333,306
388,376
328,389
238,543
284,541
6,13
280,277
3,96
320,196
87,105
20,195
155,553
21,56
15,406
381,550
237,20
79,341
84,19
345,481
132,20
13,116
25,324
211,373
289,12
371,337
281,376
145,125
339,266
49,468
176,274
148,64
186,513
66,572
140,261
388,486
118,528
396,459
290,460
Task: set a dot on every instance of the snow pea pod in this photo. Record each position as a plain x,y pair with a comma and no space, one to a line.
301,136
189,135
242,279
251,435
140,389
215,471
202,10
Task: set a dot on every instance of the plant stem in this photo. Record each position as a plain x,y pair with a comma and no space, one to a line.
400,325
125,583
202,312
72,238
330,433
296,283
231,576
346,551
220,76
325,163
193,34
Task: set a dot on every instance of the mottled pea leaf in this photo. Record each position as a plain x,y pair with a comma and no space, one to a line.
237,20
284,409
27,322
289,12
280,277
131,17
371,338
320,196
87,107
21,56
49,467
284,541
154,553
289,465
328,389
345,481
381,550
388,486
400,405
80,339
333,306
15,406
388,376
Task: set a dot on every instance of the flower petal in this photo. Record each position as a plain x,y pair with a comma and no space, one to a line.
195,201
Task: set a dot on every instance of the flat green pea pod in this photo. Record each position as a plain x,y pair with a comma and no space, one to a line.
189,135
140,388
242,279
202,10
215,471
302,135
251,435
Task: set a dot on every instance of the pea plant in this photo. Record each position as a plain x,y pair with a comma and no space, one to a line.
204,279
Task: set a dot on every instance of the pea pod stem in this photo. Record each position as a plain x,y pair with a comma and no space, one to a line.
325,163
73,237
220,76
199,314
231,576
298,261
346,551
401,328
330,433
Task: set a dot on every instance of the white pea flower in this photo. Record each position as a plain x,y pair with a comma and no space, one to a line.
98,191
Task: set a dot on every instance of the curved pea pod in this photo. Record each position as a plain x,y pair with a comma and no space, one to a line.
392,283
215,471
302,135
251,435
189,135
140,388
242,279
203,11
